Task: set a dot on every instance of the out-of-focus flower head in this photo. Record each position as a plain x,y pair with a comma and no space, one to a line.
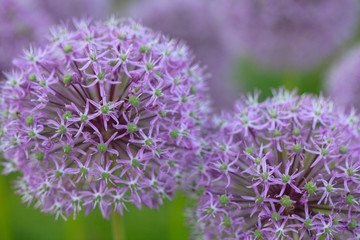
343,80
21,22
66,9
285,168
24,22
282,34
103,115
193,22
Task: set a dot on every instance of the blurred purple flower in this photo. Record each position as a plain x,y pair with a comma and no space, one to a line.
24,22
285,168
283,34
21,23
343,80
193,22
66,9
101,116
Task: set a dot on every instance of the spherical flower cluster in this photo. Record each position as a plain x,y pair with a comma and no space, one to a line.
21,22
103,115
284,34
193,22
285,168
343,80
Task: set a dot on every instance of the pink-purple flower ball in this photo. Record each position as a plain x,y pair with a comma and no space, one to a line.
343,80
283,34
103,115
285,168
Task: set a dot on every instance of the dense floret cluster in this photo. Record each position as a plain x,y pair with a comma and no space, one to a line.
284,34
285,168
100,116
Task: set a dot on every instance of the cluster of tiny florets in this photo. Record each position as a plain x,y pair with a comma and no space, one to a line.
285,168
283,34
102,116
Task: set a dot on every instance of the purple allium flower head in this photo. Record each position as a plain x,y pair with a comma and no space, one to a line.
21,22
282,34
343,80
101,116
285,168
193,22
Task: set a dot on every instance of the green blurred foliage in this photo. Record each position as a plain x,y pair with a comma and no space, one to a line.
19,222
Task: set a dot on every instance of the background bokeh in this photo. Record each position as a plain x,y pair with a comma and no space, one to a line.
18,222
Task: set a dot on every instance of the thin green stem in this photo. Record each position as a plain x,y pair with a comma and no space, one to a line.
118,229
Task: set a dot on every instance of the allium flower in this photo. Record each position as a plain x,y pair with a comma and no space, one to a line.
285,34
343,80
101,116
285,168
21,22
193,22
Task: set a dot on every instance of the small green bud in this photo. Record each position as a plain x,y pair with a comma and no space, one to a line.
342,150
83,118
174,133
93,57
184,99
131,127
224,199
113,63
67,148
135,162
162,113
32,77
296,148
58,174
67,115
62,129
144,49
352,224
200,191
68,48
258,234
31,134
296,132
249,150
105,175
67,79
285,201
83,171
102,147
29,120
285,178
104,109
192,89
329,188
223,167
227,222
350,200
310,187
122,36
134,101
308,223
275,216
40,156
259,199
158,92
149,142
